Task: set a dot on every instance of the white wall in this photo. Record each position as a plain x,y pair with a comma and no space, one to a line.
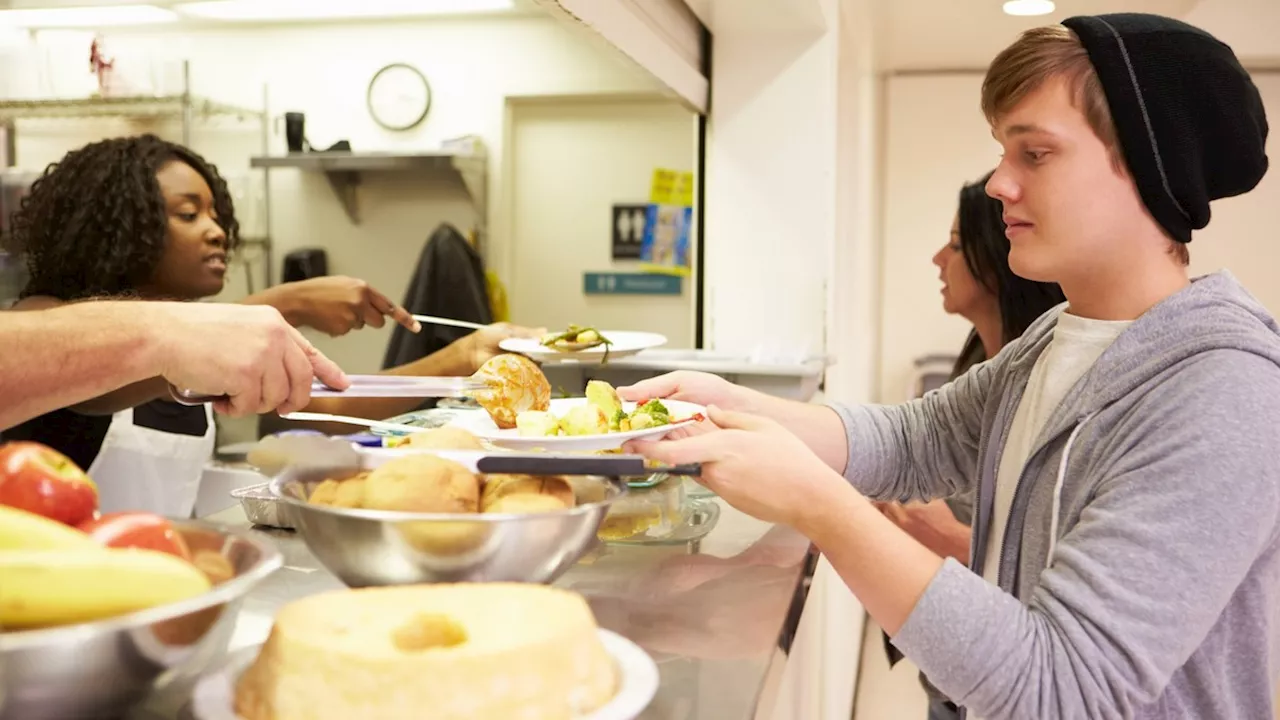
770,192
935,140
790,244
473,65
569,162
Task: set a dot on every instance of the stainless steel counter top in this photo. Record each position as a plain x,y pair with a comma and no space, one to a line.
717,616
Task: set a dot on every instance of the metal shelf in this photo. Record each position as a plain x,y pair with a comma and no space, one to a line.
344,170
167,106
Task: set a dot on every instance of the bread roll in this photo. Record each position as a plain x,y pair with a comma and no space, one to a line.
516,384
422,483
500,487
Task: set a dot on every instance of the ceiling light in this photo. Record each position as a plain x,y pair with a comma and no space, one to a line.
265,10
86,17
1029,7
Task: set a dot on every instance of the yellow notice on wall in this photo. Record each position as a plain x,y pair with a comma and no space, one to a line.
671,187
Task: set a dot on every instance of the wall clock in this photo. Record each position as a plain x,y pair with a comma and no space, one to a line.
399,97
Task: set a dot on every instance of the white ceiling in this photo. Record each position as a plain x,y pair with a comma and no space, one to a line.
950,35
966,34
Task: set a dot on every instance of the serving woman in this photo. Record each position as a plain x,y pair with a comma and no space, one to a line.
145,218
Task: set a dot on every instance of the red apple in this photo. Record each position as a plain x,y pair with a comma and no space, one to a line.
137,530
42,480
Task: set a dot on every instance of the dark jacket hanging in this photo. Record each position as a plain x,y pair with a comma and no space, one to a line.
448,282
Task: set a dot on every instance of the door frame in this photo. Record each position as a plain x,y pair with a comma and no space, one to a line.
501,248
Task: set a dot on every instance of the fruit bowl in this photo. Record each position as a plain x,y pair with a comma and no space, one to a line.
100,669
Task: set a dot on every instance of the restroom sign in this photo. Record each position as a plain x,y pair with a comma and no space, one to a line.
629,225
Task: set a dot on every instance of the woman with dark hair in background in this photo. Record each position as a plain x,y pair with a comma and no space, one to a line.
149,219
978,285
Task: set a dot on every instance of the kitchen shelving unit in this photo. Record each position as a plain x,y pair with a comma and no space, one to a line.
464,159
186,108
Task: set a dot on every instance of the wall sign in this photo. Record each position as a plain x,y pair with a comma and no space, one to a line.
611,283
667,233
629,225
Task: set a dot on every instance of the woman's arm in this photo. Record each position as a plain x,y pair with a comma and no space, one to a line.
334,305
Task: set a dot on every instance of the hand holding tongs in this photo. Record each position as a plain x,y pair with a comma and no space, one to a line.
406,386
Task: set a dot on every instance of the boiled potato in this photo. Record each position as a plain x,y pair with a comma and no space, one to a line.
537,423
602,395
585,420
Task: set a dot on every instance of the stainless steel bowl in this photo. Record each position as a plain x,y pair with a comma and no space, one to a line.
373,547
99,669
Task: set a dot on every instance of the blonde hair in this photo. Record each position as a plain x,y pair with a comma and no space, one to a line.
1055,52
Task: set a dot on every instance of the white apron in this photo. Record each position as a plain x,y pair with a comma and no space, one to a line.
141,468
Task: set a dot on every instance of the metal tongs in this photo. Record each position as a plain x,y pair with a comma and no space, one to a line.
276,452
406,386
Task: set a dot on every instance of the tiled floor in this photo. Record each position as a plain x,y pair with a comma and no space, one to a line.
884,693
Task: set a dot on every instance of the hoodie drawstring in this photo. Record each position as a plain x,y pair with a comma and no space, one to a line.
1057,487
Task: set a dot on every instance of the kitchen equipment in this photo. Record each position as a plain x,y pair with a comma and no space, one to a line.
97,670
368,386
218,483
376,547
510,463
647,513
433,320
277,452
295,135
349,420
214,695
261,507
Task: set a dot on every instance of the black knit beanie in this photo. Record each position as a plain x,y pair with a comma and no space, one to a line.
1189,119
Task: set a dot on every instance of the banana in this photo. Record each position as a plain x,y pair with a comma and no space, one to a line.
40,588
22,530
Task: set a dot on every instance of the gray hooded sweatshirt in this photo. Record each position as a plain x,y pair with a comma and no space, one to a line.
1140,576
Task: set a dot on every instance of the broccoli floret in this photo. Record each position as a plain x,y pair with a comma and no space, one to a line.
655,410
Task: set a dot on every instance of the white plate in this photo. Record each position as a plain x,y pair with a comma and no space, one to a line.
213,696
482,426
625,343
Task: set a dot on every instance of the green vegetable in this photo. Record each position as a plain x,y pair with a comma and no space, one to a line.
655,410
577,338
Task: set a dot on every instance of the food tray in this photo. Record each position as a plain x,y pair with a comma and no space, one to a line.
701,520
261,507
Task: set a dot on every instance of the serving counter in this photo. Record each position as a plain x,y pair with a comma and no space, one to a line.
716,614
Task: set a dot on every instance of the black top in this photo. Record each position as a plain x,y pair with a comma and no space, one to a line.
80,437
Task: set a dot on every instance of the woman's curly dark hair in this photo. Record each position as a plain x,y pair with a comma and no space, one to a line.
94,224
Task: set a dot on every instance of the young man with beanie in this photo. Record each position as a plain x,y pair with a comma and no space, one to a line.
1126,535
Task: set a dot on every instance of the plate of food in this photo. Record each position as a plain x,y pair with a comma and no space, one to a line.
461,650
578,343
599,421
